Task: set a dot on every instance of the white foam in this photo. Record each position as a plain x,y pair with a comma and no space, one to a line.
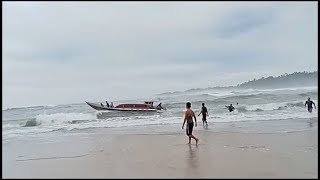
236,116
218,113
270,106
63,117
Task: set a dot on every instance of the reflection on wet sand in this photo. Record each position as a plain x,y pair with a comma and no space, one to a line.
192,168
311,122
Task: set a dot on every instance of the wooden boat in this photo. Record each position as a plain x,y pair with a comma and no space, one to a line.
146,106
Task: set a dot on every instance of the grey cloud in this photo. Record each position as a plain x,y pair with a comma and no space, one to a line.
96,50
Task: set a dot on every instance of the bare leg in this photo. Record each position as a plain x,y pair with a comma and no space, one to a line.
189,139
192,136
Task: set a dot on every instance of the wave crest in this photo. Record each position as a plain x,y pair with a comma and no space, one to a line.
32,122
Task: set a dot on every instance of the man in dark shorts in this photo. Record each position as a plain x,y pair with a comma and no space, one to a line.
188,117
204,112
309,103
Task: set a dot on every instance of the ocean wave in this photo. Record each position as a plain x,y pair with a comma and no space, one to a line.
31,107
243,117
63,117
290,105
247,96
309,94
270,106
242,109
80,121
218,106
258,110
32,122
69,125
295,104
40,107
17,108
253,105
108,115
14,120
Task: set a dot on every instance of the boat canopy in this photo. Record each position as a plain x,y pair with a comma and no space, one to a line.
149,102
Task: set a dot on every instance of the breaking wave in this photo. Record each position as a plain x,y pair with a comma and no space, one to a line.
254,105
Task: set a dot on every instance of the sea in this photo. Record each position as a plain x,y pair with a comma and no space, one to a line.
258,110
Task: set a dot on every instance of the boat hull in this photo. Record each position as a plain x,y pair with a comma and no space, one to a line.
102,108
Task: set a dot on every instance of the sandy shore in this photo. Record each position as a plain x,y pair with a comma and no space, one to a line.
218,155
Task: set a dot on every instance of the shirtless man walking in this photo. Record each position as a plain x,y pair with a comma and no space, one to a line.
188,117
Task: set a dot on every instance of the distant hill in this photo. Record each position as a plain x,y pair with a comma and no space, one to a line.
296,79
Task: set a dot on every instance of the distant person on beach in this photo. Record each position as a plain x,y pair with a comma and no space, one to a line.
102,105
188,117
309,103
107,103
204,112
237,103
230,108
111,104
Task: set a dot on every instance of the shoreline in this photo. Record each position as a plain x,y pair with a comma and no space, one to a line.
262,126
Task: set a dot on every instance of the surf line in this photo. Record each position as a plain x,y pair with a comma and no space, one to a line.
66,157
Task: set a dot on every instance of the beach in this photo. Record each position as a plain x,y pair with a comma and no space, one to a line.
105,154
101,90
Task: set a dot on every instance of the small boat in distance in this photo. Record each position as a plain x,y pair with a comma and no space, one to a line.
146,106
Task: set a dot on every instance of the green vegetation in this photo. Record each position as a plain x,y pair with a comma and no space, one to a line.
296,79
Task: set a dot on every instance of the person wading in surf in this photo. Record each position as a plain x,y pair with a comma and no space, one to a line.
230,108
188,117
309,103
204,113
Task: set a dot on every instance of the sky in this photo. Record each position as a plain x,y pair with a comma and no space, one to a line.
71,52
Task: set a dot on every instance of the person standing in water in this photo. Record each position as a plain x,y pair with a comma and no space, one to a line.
204,112
309,103
159,106
188,117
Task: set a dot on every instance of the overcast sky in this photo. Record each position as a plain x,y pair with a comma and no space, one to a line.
69,52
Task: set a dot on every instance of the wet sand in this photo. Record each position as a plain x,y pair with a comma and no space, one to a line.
218,155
